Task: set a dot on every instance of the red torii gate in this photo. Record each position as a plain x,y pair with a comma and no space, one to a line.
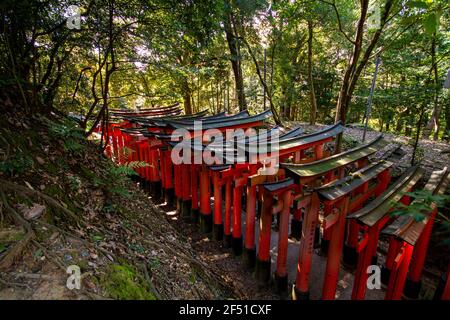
417,234
374,217
311,175
343,197
190,171
291,147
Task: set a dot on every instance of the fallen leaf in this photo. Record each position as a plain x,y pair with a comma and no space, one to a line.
29,185
33,213
40,160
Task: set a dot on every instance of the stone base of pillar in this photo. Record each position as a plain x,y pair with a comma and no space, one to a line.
227,241
281,283
237,245
218,232
262,271
249,258
195,215
206,223
299,295
169,195
185,210
156,190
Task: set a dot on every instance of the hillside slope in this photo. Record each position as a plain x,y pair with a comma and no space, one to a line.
63,204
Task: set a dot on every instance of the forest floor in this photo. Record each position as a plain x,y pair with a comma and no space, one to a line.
63,204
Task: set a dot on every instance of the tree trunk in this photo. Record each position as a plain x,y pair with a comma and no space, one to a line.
312,95
344,94
446,135
356,66
234,47
433,123
416,141
187,102
275,114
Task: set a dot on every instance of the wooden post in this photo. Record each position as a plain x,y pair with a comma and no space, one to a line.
194,191
168,172
334,254
364,260
318,151
227,220
413,282
185,192
218,226
301,289
236,241
390,259
250,250
281,276
205,207
263,262
325,242
399,271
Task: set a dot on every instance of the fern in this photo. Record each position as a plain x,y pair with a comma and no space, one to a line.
125,152
118,175
66,130
72,146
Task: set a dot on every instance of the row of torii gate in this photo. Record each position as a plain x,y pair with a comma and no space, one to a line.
345,195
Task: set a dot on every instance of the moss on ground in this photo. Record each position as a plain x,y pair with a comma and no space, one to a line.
122,282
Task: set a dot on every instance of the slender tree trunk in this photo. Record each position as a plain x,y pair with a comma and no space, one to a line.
234,47
275,114
446,135
187,102
312,95
355,65
433,124
344,97
416,142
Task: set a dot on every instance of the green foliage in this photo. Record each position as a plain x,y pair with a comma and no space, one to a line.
2,247
74,182
122,282
71,135
117,174
65,130
422,205
16,164
126,169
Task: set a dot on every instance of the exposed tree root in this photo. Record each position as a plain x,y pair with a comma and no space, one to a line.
4,184
15,252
